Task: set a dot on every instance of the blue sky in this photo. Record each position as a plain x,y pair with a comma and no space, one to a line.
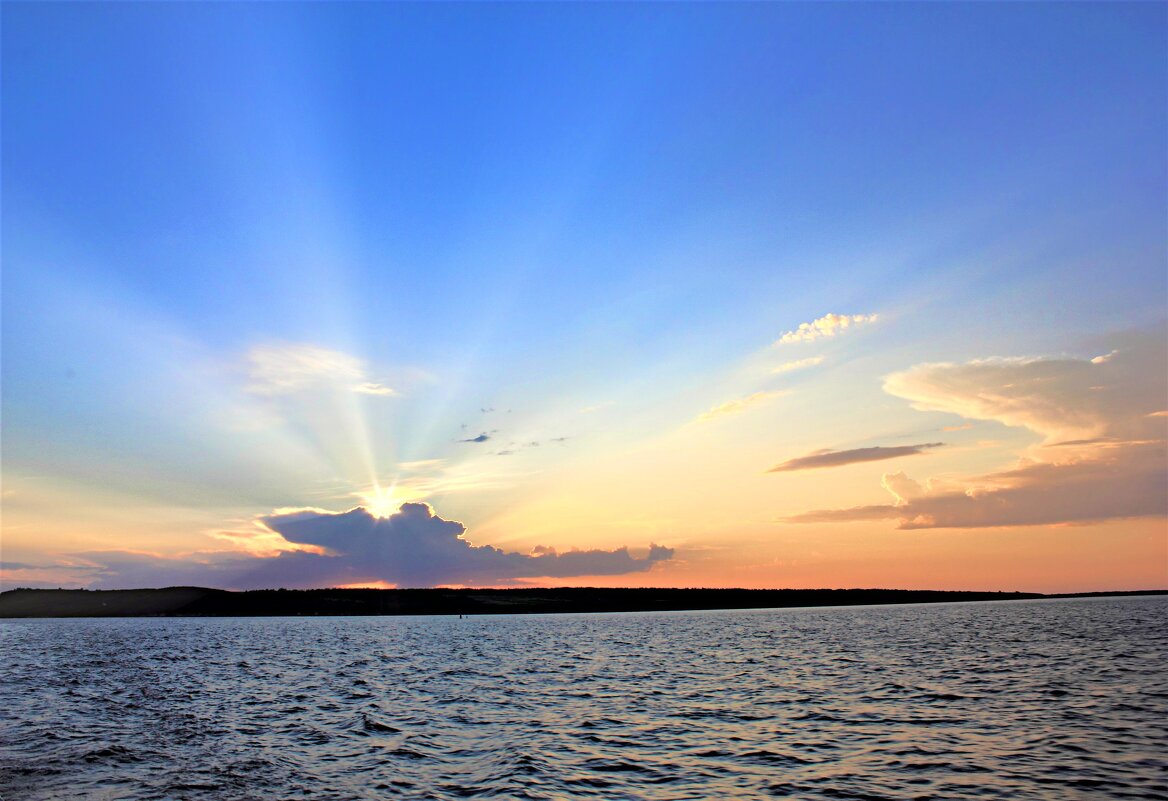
543,209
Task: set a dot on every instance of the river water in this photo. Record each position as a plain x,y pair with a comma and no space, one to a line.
1032,699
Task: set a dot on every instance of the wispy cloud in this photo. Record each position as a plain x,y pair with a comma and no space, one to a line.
829,325
479,438
1131,485
738,405
597,407
1104,454
798,364
511,448
830,458
285,368
370,388
457,478
420,465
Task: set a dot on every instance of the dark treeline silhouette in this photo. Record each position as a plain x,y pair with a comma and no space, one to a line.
199,601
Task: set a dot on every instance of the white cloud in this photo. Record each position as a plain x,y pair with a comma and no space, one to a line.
1060,399
903,488
281,369
798,364
828,325
370,388
738,405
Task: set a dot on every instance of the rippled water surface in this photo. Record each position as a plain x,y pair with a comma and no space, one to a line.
1046,699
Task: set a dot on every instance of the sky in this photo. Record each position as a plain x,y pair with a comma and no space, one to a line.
699,295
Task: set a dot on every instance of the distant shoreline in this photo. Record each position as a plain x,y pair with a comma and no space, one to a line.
204,602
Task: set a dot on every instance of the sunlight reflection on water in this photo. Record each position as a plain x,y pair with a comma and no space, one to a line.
1046,699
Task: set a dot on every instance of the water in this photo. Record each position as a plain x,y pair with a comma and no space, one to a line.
1046,699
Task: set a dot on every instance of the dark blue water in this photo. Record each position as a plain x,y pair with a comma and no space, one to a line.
1047,699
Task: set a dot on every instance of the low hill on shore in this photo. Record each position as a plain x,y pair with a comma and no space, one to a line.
203,602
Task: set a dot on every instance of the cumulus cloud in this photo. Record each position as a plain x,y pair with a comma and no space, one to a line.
738,405
1103,454
830,458
798,364
829,325
1060,399
281,369
411,548
903,488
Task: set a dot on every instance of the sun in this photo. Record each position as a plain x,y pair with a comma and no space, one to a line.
385,501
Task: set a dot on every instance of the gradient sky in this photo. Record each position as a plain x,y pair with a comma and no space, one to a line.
802,295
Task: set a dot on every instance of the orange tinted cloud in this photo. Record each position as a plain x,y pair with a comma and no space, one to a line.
1106,454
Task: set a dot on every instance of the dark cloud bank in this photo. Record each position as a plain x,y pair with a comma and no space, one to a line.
411,548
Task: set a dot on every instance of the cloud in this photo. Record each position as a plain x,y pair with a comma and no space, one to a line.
411,548
1033,494
429,478
826,326
285,368
514,447
597,407
830,458
420,465
19,566
738,405
369,388
1103,456
1060,399
903,488
798,364
259,540
479,438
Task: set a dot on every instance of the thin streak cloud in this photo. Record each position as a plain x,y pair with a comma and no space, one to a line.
798,364
1126,485
830,458
738,405
280,369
